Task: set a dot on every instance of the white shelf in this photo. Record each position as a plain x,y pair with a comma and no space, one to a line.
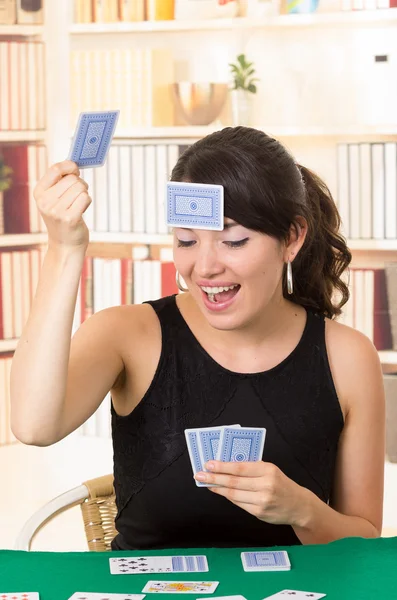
22,136
388,357
143,133
194,132
8,345
21,30
385,17
373,245
22,239
131,238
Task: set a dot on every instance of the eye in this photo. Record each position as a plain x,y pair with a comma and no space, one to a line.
182,244
237,244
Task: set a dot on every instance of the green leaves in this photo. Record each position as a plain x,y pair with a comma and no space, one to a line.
242,72
5,176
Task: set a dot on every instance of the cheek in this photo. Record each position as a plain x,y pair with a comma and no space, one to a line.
183,262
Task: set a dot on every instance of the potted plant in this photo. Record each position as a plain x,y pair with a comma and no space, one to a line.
243,89
5,184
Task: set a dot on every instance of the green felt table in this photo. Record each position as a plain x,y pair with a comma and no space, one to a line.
353,568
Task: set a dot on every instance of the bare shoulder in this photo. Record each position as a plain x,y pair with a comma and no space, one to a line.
130,325
137,336
354,363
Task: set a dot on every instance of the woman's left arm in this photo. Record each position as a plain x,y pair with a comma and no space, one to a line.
356,505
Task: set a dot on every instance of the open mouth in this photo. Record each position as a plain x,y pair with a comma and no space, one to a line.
219,295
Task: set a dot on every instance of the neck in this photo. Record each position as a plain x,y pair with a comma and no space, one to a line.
279,316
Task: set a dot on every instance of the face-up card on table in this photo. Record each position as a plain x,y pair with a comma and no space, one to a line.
266,561
228,598
158,564
182,587
195,205
295,595
103,596
93,137
19,596
243,444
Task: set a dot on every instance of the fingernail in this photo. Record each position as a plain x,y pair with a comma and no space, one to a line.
210,466
201,476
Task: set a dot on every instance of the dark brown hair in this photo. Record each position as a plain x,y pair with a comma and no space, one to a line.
265,190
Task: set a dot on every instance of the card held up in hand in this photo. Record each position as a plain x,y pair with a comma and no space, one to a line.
93,137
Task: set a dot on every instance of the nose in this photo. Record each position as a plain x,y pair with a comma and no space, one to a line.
207,262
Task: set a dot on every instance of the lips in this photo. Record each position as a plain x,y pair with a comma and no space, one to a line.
222,300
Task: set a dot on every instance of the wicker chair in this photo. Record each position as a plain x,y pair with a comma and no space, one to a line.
97,501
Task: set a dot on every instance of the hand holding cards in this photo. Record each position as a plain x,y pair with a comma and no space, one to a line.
226,443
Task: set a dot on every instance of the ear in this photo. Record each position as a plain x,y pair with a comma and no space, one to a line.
296,238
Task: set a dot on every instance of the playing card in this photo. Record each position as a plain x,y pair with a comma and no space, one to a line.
228,598
104,596
191,436
241,445
195,205
266,561
19,596
208,441
183,587
295,595
158,564
92,138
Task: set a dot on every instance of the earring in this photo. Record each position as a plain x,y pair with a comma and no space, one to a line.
178,283
290,283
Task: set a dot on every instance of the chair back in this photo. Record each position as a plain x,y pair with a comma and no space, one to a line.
99,512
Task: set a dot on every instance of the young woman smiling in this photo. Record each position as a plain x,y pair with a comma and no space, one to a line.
253,340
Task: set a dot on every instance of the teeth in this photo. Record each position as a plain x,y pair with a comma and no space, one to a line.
217,290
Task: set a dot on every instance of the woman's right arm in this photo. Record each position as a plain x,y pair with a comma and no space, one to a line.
57,382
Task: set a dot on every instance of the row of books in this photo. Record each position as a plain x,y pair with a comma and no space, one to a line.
367,4
103,283
109,11
369,308
23,12
19,213
107,282
129,191
367,190
22,86
135,80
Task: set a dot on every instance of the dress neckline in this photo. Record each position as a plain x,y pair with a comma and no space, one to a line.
272,370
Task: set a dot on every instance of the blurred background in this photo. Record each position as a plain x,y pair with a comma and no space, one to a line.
319,75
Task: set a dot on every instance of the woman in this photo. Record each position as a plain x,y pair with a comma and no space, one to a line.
265,352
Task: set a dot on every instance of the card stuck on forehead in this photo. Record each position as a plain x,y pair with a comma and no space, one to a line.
195,205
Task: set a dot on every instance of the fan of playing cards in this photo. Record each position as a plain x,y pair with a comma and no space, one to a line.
231,443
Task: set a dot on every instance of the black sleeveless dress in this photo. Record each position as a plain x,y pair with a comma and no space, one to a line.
159,504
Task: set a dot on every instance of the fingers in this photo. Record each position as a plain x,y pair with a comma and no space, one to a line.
231,481
242,469
55,174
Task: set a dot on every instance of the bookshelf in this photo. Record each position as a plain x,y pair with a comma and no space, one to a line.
312,136
12,31
364,18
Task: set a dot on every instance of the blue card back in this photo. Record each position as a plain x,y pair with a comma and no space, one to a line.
241,445
195,205
92,139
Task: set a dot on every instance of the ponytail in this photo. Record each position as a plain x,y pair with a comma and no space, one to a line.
324,256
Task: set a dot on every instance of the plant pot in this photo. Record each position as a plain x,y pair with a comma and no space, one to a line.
241,107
